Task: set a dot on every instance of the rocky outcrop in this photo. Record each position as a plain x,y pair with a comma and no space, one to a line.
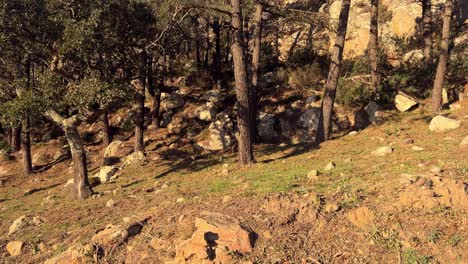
172,101
266,127
216,238
219,134
78,254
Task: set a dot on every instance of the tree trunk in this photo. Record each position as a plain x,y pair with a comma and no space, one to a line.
257,34
156,119
443,58
374,45
242,87
106,134
427,29
207,47
139,116
277,47
325,121
217,54
82,188
15,137
26,146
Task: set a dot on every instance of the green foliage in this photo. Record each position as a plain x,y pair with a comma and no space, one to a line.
455,240
411,256
434,236
5,146
352,93
385,15
306,76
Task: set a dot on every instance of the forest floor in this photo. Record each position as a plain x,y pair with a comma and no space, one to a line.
409,206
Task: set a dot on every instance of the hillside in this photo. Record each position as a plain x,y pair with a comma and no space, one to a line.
408,206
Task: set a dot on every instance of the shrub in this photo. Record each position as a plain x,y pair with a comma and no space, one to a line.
4,146
306,76
353,94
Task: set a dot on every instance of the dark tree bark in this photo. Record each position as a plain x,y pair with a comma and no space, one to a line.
26,146
325,121
427,29
374,45
242,86
217,52
15,137
155,115
207,46
443,58
82,188
139,108
25,138
228,46
277,48
106,134
257,35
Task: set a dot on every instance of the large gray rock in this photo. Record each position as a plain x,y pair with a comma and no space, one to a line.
134,158
372,110
220,136
404,102
177,125
116,149
206,113
106,173
266,127
172,101
310,119
442,124
413,57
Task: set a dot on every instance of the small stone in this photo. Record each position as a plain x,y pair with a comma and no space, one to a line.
227,199
159,244
449,139
14,248
225,165
225,172
117,191
110,203
436,170
464,142
312,175
416,148
382,151
408,141
267,234
282,145
352,133
16,224
42,247
180,200
37,220
332,207
330,166
29,192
